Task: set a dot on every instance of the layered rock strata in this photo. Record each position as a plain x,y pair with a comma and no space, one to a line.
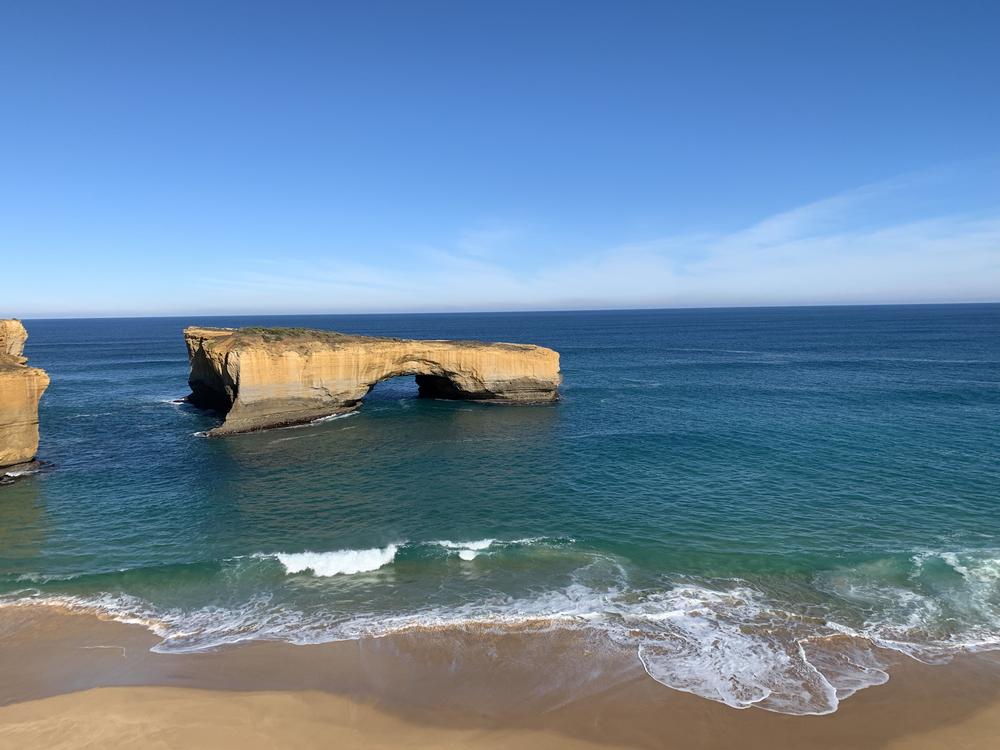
21,388
273,377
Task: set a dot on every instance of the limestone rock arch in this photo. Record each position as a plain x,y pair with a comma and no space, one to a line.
272,377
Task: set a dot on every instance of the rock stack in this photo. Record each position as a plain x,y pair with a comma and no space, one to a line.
21,387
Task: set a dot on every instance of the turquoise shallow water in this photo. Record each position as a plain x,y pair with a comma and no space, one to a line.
760,504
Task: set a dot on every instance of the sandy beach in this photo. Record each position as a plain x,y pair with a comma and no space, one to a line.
71,680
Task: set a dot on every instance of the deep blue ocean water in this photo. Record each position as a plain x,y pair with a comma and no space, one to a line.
760,503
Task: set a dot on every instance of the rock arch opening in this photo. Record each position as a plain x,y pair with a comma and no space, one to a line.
398,388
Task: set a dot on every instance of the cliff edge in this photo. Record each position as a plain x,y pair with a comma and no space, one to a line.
21,387
273,377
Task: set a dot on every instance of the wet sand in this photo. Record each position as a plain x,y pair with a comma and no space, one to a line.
71,680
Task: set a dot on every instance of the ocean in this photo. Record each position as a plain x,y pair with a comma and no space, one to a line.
763,506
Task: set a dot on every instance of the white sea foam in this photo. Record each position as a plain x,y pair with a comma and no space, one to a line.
22,473
528,541
332,417
340,562
973,568
318,420
725,646
470,550
44,577
734,647
946,603
466,550
481,544
723,640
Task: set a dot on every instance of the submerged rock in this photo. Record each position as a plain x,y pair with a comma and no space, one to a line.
10,474
273,377
21,387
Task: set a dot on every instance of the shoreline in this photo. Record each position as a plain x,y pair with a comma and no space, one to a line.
69,674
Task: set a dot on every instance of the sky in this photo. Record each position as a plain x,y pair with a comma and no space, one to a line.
292,157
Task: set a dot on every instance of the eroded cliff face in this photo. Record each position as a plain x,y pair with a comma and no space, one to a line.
261,378
21,387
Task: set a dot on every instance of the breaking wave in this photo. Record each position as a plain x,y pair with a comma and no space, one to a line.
341,562
350,561
470,550
466,550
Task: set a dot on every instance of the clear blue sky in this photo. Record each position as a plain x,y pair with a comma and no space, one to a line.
171,158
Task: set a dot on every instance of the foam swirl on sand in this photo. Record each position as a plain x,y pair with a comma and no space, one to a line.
340,562
736,648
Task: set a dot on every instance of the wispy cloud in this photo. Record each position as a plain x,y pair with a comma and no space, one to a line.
910,239
857,246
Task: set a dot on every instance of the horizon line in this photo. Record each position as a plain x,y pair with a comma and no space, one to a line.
518,312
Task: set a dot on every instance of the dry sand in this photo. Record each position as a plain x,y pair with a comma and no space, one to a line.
157,717
71,681
153,717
